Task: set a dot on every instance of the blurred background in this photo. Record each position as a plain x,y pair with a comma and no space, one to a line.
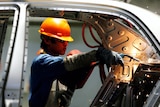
82,97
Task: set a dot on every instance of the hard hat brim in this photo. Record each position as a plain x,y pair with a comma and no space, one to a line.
64,38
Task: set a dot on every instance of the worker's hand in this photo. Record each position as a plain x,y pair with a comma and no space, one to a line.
109,57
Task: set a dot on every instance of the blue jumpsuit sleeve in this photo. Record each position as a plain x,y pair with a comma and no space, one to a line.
44,70
48,66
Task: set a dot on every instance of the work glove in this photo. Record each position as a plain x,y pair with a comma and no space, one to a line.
64,98
109,57
74,62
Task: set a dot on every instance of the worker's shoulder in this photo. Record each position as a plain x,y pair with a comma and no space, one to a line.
46,58
41,57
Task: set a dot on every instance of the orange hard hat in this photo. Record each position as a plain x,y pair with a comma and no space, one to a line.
56,28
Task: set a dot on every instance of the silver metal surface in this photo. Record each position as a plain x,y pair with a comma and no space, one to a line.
121,27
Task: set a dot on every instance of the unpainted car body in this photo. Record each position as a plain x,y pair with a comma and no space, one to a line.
121,27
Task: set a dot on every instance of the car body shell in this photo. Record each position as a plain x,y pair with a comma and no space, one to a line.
146,22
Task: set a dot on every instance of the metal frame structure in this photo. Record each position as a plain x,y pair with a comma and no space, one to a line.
92,13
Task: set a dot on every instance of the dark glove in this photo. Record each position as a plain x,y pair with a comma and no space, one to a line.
109,57
64,98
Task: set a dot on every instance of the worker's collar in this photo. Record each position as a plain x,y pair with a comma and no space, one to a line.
40,51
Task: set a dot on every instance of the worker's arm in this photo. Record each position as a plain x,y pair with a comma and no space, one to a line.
108,57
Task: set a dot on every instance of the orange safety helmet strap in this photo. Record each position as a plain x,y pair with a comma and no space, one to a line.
56,28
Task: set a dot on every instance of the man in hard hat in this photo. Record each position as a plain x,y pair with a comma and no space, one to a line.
48,65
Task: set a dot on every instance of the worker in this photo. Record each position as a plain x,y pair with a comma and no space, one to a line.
46,67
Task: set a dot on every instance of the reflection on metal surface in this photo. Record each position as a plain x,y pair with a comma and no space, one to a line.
120,37
127,86
140,44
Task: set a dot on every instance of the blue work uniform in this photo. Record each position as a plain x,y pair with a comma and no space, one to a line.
44,70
